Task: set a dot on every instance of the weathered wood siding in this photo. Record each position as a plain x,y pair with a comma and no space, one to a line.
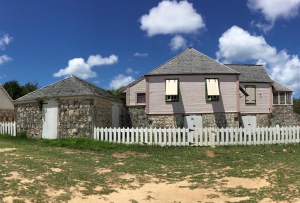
263,99
5,102
192,95
139,87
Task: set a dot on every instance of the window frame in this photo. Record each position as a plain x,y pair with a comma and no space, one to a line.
288,98
249,102
177,96
216,97
140,103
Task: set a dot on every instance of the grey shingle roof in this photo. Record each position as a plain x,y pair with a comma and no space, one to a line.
71,86
191,61
280,87
251,73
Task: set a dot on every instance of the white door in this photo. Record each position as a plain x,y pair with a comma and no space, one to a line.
193,121
115,116
50,117
249,121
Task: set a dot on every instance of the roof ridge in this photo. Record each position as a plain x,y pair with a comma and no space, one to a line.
214,60
42,88
169,60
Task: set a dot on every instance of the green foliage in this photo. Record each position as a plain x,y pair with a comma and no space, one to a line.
22,134
15,90
296,105
118,94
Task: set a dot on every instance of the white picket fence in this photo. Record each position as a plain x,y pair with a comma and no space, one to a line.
199,136
9,128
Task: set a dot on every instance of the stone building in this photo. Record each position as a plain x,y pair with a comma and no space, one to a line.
193,90
68,108
6,106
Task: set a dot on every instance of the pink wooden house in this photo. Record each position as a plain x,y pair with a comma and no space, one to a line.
193,90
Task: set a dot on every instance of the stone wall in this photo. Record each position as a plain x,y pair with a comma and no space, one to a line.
263,120
75,118
285,115
137,116
221,120
6,115
29,118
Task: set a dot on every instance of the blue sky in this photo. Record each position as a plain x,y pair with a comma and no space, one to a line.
112,42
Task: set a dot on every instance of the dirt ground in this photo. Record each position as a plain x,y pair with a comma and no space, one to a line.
153,191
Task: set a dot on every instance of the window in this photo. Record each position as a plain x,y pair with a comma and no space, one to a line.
251,91
141,98
288,98
212,91
282,97
171,91
275,98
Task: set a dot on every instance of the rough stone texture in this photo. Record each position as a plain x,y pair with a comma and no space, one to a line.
137,116
221,120
29,118
6,115
102,113
285,115
75,118
263,120
165,121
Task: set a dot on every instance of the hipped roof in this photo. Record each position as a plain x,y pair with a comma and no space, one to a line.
71,86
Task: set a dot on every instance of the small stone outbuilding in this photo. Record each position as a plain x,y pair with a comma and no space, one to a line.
68,108
6,106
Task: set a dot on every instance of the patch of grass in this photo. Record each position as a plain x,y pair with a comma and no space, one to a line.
70,163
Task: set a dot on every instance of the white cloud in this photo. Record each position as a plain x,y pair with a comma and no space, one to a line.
97,60
5,39
80,68
238,45
172,17
274,9
4,58
119,81
130,70
140,54
177,42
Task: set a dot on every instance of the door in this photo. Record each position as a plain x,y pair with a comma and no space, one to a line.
193,121
50,117
249,121
115,116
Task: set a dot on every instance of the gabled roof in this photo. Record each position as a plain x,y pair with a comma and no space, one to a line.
191,61
5,92
280,87
251,73
71,86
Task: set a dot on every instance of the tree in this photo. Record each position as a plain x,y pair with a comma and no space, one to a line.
296,105
118,94
13,88
29,87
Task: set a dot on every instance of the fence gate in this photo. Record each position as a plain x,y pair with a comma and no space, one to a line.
50,117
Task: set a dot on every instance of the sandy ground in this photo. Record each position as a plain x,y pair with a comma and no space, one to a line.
154,191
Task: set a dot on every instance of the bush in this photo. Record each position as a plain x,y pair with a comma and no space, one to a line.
22,134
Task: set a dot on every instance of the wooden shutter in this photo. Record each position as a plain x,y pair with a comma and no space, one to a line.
251,91
171,87
212,86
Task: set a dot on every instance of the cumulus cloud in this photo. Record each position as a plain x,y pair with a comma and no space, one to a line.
130,71
172,17
140,54
5,39
280,65
274,9
80,68
4,58
119,81
177,42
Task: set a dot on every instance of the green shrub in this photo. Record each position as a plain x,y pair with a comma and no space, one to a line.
22,134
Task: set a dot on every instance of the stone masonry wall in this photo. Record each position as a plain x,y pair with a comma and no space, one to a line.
29,118
220,120
285,115
6,115
102,113
263,120
75,118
